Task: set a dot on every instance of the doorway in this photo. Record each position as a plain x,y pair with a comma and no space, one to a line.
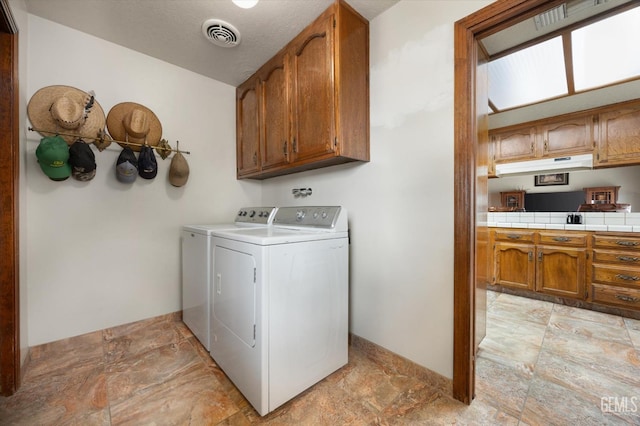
467,157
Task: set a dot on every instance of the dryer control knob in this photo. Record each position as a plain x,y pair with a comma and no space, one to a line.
300,215
252,213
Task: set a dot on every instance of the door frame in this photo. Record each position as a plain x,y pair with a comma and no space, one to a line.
467,31
9,196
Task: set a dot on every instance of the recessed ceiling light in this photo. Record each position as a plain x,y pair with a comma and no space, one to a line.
245,4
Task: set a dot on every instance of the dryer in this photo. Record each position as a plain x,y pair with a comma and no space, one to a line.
197,267
280,303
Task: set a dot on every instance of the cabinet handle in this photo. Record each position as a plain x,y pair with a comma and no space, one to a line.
627,277
284,149
530,256
532,147
627,298
627,243
539,256
255,158
295,146
546,145
514,236
561,239
628,258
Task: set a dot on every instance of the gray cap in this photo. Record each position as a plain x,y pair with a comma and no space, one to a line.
127,166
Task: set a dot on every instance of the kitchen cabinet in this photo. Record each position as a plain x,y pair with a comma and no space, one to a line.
248,127
616,270
274,108
600,269
514,258
566,136
516,144
611,133
551,262
619,137
313,106
545,139
561,263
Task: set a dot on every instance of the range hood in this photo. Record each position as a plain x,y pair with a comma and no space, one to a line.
560,164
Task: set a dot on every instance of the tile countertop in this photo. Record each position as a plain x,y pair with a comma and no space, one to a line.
591,221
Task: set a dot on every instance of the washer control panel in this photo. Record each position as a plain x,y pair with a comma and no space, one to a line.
315,217
258,215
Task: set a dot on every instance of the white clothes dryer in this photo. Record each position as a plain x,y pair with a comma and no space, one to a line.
280,303
197,267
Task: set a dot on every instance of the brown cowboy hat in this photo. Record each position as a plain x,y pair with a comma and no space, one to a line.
132,122
68,110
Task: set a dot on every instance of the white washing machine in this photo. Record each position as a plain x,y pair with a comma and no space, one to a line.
197,267
280,303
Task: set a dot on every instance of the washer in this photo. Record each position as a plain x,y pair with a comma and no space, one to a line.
197,265
280,303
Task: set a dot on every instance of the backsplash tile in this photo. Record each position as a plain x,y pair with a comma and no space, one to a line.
591,221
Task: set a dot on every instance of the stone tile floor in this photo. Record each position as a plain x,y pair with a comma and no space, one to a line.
540,364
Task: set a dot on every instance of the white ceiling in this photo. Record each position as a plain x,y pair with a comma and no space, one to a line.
171,30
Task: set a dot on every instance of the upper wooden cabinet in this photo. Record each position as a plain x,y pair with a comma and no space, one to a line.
313,100
611,133
274,107
514,144
565,136
248,127
619,137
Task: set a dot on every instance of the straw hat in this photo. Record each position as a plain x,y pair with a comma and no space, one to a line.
132,122
68,110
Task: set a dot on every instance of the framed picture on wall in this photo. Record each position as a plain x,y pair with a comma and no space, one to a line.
552,179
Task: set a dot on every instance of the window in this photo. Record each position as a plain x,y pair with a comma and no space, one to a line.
602,53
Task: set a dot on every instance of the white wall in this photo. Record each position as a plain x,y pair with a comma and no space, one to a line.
401,203
102,253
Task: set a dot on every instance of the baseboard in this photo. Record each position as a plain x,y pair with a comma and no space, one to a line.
397,364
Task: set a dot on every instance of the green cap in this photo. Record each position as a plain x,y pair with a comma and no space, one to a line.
53,156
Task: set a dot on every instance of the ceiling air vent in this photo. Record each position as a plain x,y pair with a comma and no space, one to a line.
221,33
551,16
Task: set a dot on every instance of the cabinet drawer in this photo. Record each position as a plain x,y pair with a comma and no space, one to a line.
563,238
616,275
620,296
514,235
620,242
622,258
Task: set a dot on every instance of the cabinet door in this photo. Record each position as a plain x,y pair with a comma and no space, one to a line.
567,137
561,271
313,92
247,128
619,137
275,113
515,144
514,265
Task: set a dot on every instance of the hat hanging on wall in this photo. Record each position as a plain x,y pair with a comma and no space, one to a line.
132,122
68,110
53,156
147,164
82,161
127,166
178,170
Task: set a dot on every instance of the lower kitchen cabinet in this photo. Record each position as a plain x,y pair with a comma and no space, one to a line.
597,270
550,262
616,270
561,271
513,257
